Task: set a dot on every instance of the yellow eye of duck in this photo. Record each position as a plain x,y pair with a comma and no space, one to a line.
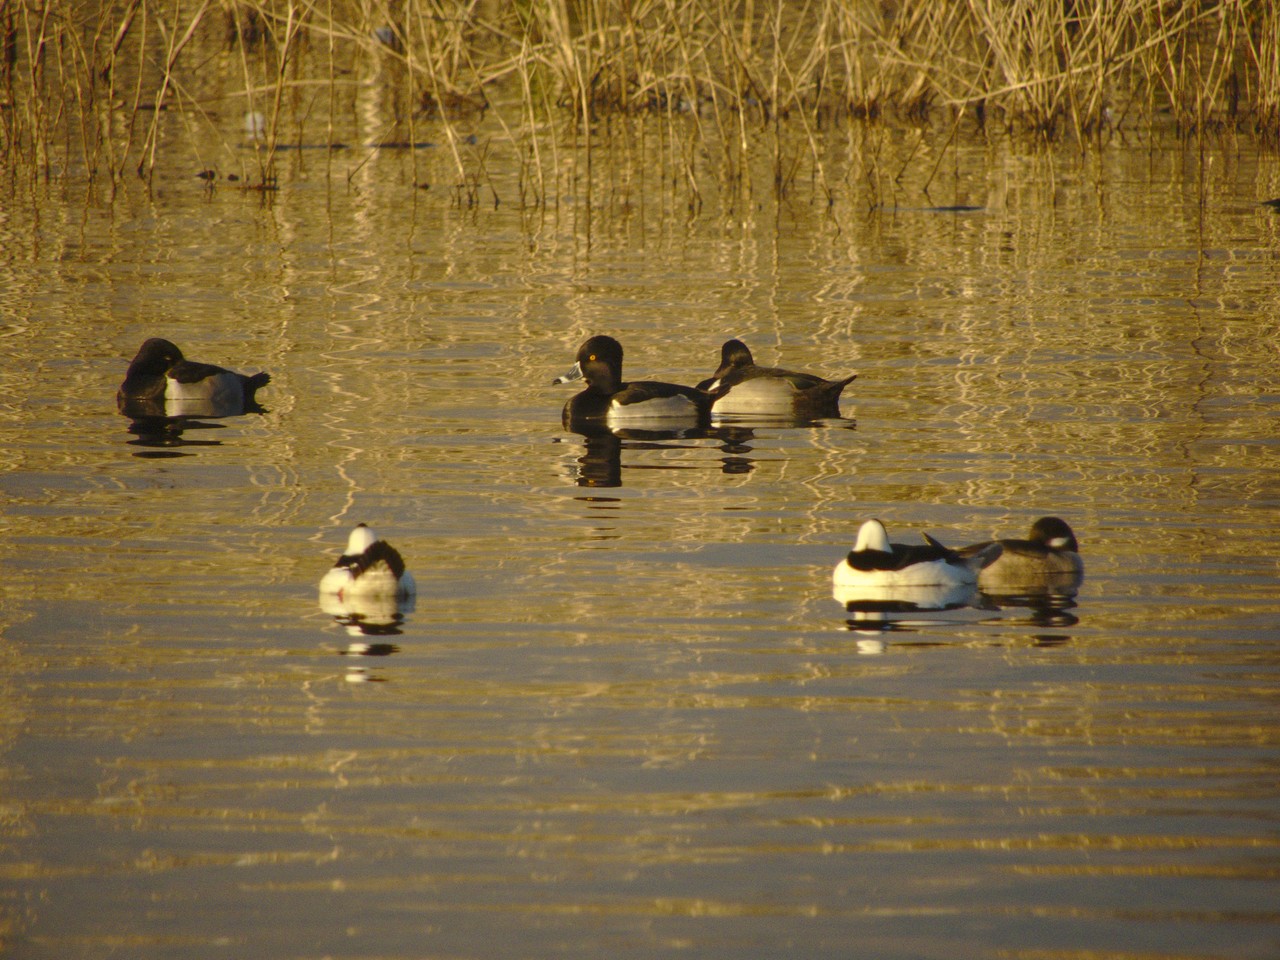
592,357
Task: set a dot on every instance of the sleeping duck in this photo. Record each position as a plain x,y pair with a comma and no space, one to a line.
161,380
1048,557
369,567
875,562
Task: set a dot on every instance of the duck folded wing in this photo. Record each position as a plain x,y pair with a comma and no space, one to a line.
379,552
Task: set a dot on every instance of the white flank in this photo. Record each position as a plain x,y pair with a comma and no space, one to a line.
221,389
677,407
934,573
760,395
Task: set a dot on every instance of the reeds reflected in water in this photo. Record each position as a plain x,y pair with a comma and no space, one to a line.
746,94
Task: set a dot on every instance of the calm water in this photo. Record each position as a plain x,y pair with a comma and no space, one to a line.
626,718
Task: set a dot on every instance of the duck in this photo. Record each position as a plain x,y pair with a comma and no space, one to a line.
874,562
1050,555
608,397
741,387
369,567
161,375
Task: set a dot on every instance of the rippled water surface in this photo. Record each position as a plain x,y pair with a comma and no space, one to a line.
626,718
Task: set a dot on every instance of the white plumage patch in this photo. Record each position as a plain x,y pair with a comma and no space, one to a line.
763,395
934,596
931,573
872,536
222,389
676,407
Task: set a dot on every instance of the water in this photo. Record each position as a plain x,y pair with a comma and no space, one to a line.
625,717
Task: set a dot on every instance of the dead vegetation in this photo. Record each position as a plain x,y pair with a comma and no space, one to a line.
84,86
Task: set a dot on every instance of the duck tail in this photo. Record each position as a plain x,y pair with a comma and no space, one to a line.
837,386
983,557
828,394
254,382
977,557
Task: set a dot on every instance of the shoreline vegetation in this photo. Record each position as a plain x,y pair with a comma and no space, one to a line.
92,89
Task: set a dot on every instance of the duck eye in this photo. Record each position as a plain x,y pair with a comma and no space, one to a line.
592,357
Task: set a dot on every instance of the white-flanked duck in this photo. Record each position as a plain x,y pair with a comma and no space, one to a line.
741,387
608,397
1048,557
369,567
876,563
161,380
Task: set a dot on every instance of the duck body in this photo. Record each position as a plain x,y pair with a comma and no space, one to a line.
161,376
876,563
369,567
607,397
743,387
1050,555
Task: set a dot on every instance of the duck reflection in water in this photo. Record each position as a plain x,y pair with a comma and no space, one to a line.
364,616
1045,606
162,436
890,608
601,462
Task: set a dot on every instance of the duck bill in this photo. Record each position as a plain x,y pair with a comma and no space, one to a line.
573,373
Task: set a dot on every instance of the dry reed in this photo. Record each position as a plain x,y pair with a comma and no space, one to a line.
84,85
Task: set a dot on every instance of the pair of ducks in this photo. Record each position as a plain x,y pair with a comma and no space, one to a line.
1049,557
371,567
738,387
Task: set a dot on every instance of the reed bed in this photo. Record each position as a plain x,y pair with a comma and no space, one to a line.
97,89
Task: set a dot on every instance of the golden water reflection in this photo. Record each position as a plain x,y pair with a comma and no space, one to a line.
625,706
